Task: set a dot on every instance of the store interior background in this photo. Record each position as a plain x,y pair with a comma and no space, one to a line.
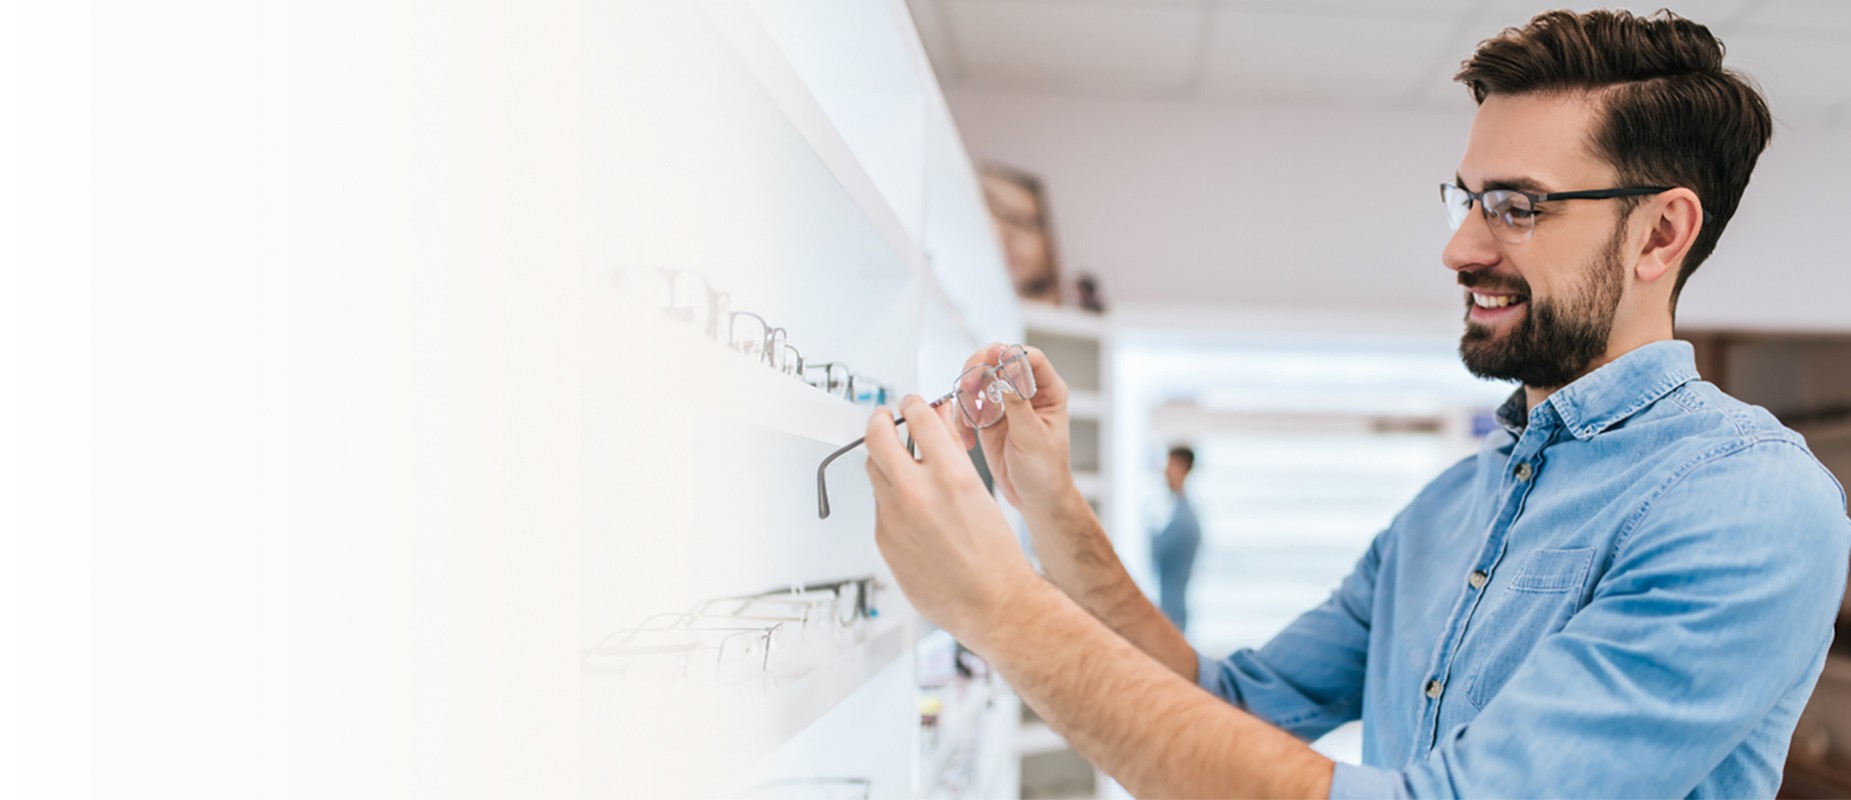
1250,183
359,444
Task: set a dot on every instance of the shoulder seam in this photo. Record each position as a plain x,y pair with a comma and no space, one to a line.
1701,460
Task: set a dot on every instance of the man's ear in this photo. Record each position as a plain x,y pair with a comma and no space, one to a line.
1674,219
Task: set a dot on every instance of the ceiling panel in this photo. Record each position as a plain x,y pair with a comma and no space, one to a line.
1712,13
1336,52
1450,8
1076,46
1363,58
1805,16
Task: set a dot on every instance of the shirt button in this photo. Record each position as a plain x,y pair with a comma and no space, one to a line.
1523,471
1433,689
1477,579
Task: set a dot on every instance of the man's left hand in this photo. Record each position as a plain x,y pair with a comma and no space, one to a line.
945,538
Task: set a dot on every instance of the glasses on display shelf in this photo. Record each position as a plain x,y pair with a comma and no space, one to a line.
816,612
750,334
732,640
809,789
978,396
728,654
691,299
837,379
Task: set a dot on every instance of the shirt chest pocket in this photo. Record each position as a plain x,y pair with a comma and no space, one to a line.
1538,601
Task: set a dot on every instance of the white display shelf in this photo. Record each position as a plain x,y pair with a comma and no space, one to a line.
959,728
747,35
730,385
1090,484
987,732
1085,404
1064,320
733,725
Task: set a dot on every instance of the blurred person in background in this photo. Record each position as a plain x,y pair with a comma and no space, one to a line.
1173,547
1628,591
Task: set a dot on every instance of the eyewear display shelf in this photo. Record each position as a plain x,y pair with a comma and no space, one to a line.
790,162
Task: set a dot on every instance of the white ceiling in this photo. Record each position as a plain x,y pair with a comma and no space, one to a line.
1370,53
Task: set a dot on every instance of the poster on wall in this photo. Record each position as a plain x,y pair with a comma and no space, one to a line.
1018,206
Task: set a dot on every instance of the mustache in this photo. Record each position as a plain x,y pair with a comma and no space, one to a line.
1480,280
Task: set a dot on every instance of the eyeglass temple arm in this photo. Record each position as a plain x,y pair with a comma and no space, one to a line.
822,489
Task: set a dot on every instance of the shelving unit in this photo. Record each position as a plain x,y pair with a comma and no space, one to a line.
1079,345
798,155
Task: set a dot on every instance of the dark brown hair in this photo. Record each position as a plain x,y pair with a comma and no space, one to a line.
1673,115
1184,454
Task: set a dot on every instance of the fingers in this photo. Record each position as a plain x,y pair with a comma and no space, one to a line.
884,445
1020,412
1050,389
936,444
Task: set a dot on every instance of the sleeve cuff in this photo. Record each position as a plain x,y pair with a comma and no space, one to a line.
1206,672
1354,781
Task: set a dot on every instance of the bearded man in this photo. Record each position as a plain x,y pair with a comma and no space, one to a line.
1627,592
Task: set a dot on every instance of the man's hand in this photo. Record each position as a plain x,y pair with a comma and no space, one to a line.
1027,451
945,538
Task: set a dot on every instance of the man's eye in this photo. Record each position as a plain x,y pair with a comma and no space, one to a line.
1519,213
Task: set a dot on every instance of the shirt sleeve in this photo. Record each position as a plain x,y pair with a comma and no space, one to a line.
1719,604
1309,678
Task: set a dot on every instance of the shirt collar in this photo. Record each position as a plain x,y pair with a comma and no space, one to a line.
1607,396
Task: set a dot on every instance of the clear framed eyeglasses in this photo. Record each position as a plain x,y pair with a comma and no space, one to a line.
692,300
1511,213
750,334
739,653
978,396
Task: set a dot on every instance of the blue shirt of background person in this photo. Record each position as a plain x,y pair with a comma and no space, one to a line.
1174,547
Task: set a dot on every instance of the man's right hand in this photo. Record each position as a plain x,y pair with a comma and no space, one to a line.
1027,450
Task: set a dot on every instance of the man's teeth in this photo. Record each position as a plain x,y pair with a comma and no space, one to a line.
1493,301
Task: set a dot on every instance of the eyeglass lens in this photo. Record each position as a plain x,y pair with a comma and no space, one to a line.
1509,214
981,388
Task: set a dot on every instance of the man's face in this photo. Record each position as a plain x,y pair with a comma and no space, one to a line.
1564,285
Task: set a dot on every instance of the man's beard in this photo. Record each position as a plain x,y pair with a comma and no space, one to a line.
1557,339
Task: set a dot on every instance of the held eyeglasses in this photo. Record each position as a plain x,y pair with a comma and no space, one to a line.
978,395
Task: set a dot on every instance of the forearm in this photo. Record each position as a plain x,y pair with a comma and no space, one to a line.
1158,735
1078,557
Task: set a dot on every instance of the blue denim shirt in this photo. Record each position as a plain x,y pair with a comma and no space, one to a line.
1630,593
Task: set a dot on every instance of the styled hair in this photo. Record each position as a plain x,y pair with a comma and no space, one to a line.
1184,454
1671,114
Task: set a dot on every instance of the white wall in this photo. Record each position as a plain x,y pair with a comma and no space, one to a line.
1223,204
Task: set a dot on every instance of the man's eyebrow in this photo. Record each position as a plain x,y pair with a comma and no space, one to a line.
1519,183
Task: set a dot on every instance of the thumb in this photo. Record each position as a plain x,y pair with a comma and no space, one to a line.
1023,421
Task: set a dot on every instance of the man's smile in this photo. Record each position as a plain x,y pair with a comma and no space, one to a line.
1489,307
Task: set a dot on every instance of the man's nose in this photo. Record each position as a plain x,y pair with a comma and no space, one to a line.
1472,245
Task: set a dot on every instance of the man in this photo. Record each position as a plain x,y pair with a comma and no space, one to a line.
1628,592
1173,548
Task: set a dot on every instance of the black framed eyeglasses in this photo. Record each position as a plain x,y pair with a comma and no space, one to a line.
1511,213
